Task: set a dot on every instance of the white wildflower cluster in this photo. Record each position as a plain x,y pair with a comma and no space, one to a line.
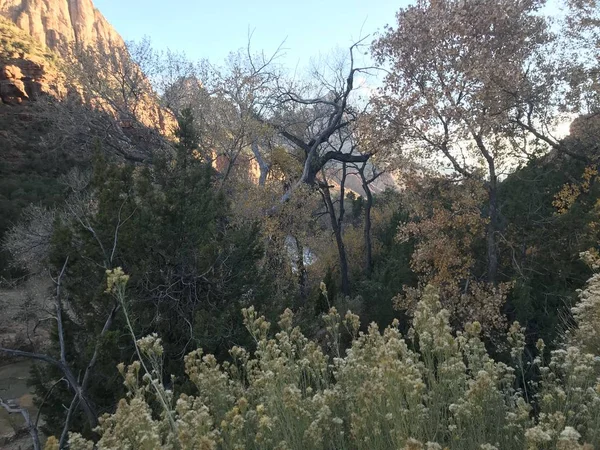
587,314
430,390
591,258
116,280
569,391
150,345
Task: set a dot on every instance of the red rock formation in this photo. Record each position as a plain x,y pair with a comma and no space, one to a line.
12,88
26,69
58,23
24,79
53,27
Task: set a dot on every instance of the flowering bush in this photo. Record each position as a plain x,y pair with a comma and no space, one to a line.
431,389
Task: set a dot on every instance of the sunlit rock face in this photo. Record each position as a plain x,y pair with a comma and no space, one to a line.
56,27
29,69
57,24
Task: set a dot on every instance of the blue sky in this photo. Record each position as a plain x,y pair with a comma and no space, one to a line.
211,29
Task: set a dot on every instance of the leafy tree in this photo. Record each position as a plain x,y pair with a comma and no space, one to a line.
444,95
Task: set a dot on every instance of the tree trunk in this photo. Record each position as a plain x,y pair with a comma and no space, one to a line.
492,248
492,229
262,164
337,231
367,229
86,404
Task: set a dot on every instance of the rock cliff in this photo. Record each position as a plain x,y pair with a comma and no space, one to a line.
38,38
57,24
27,69
34,34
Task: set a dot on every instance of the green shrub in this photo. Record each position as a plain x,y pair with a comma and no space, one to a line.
431,389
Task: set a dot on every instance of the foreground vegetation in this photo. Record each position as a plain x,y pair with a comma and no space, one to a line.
429,389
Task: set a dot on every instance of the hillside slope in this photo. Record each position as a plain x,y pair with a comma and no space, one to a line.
47,122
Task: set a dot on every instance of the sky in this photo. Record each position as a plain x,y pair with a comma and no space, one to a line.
212,29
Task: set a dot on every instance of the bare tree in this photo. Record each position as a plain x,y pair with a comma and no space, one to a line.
31,426
226,101
344,140
29,240
79,130
77,385
79,209
368,174
116,82
336,218
110,80
308,116
248,106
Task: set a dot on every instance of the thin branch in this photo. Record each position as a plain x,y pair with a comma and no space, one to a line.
39,413
30,355
65,432
61,336
92,363
33,431
119,224
554,144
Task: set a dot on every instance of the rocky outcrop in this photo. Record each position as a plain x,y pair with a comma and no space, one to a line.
26,70
25,79
36,35
12,87
57,24
38,38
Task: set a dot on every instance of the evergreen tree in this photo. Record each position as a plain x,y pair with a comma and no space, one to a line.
191,270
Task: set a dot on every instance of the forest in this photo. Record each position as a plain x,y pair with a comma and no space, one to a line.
397,249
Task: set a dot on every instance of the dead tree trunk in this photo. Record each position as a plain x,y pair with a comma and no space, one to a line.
31,426
263,166
336,225
79,389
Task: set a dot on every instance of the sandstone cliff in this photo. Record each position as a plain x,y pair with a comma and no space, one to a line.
26,69
57,24
37,37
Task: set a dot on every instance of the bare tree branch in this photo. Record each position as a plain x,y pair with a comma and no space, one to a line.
31,427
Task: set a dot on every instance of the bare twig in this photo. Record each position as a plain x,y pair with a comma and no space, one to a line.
31,427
